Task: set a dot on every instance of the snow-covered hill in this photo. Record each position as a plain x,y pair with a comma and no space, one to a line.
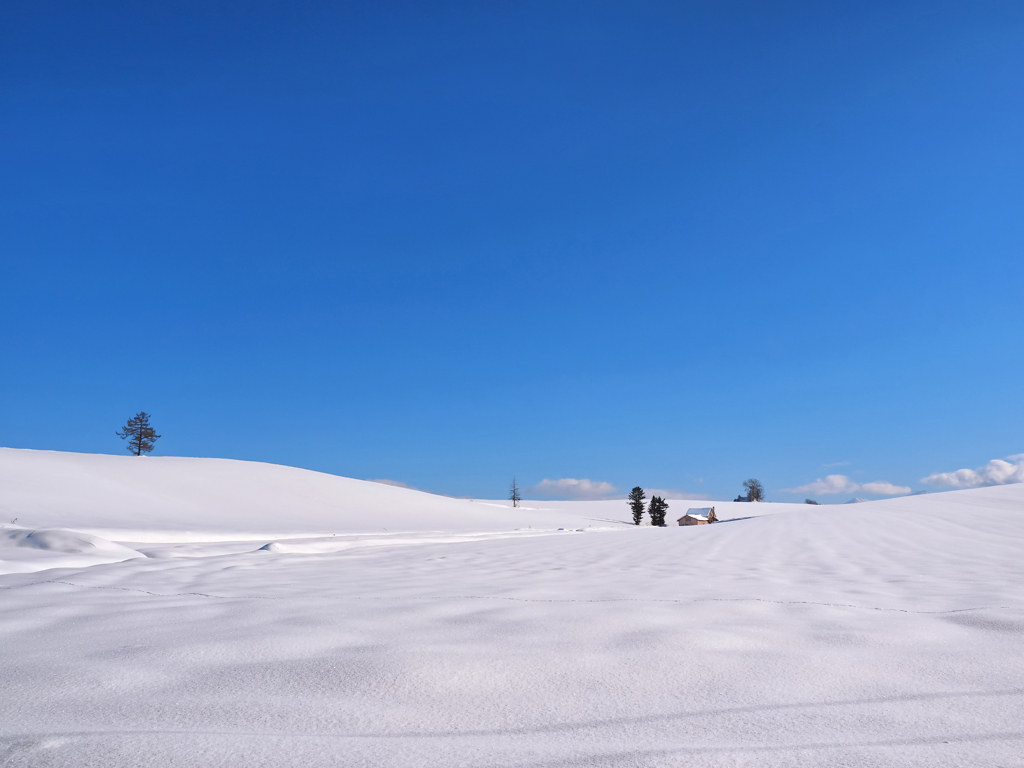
167,498
264,617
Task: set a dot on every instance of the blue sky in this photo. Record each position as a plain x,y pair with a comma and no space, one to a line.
670,244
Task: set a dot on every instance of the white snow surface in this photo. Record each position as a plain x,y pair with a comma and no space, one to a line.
24,550
248,614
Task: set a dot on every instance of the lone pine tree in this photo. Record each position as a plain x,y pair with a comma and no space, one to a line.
140,436
657,511
636,503
513,493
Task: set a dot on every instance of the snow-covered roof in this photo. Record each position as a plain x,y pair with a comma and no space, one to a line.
698,513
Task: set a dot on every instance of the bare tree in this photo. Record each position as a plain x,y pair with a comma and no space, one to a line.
140,436
513,493
636,504
755,491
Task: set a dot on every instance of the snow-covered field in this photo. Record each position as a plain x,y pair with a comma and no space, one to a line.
173,612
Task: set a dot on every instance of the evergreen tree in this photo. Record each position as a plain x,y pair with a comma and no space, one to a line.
755,491
513,493
636,503
139,434
657,511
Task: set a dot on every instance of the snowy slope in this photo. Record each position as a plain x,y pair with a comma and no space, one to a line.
170,498
216,496
878,634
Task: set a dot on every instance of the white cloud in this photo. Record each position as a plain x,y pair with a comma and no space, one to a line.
1016,457
996,472
882,488
833,484
571,488
673,493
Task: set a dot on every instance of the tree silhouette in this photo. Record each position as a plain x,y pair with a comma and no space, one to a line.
636,503
140,436
755,491
657,511
513,493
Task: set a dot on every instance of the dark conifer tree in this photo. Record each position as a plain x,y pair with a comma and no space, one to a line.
140,436
636,503
513,493
657,511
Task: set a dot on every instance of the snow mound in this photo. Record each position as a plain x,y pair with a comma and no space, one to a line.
23,550
70,542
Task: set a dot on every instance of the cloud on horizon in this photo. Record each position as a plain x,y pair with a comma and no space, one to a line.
996,472
571,488
833,484
674,493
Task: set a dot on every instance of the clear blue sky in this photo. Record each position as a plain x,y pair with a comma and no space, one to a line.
674,244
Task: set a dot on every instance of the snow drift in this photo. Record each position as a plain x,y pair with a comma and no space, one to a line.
23,550
875,634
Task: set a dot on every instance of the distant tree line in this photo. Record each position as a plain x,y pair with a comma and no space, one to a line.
658,508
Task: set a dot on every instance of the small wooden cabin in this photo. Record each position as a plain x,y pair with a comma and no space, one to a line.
699,516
